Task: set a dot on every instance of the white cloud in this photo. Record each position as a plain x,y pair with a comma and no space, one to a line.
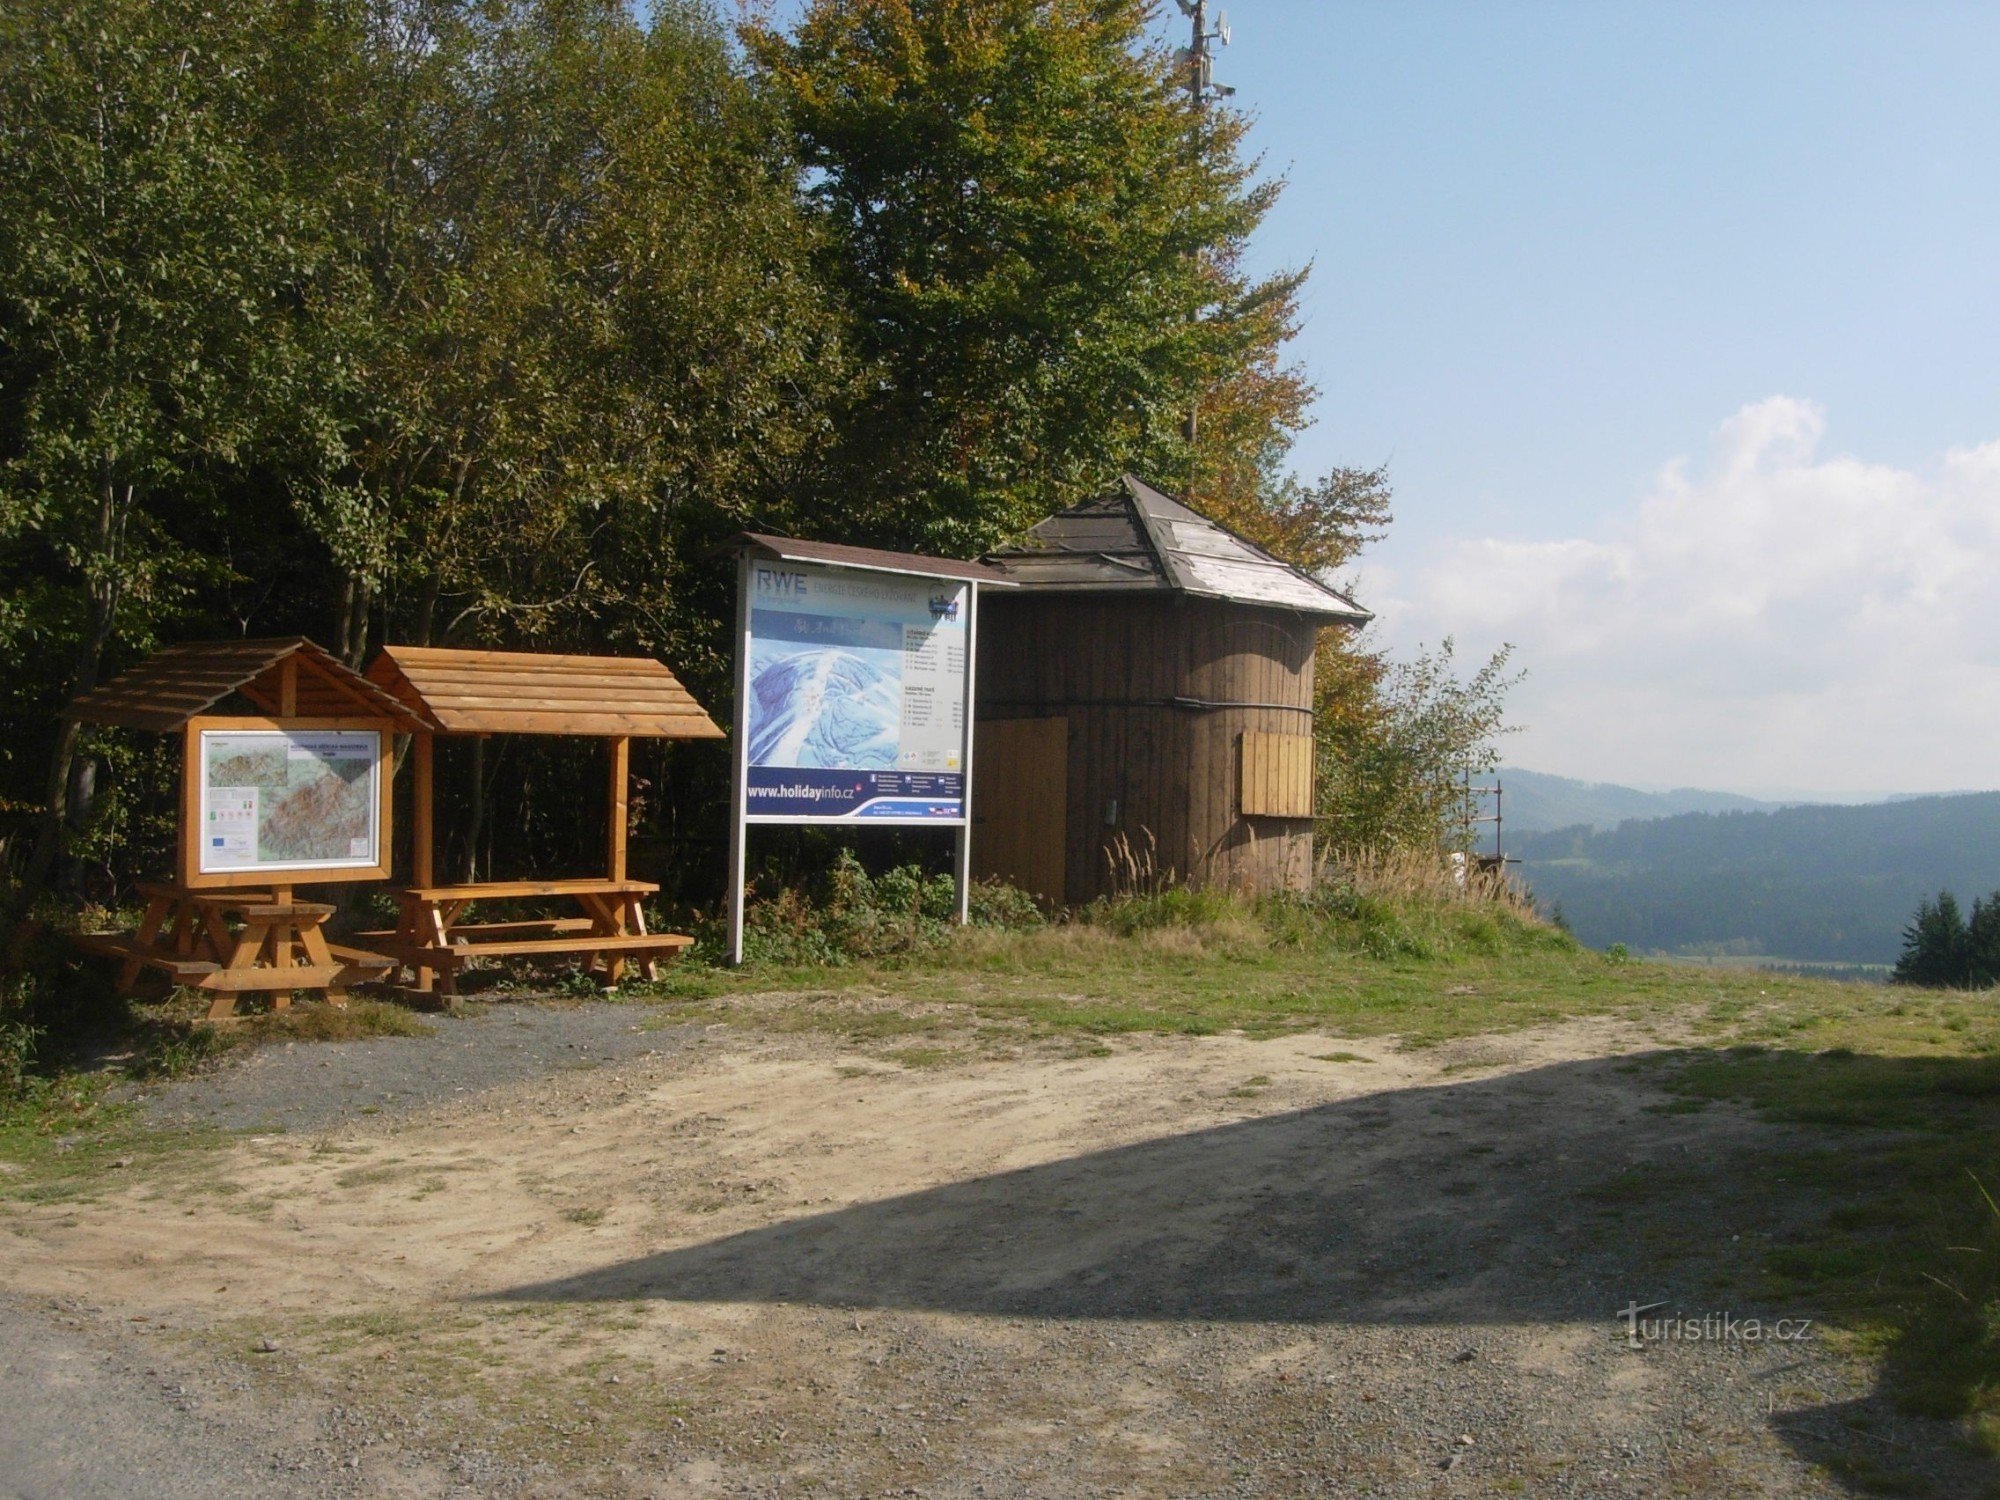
1769,617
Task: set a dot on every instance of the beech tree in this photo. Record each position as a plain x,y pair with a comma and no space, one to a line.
1036,236
146,255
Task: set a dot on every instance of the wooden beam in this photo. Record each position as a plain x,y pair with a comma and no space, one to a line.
288,687
189,853
422,813
621,777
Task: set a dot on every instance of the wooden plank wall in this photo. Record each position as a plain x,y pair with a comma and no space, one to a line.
1172,773
1243,654
1019,804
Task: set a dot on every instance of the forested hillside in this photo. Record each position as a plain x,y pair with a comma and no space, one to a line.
1537,802
1836,884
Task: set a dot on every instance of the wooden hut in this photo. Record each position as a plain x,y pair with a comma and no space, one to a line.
1144,704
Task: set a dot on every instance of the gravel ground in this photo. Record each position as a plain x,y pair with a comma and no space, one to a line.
89,1418
307,1086
718,1263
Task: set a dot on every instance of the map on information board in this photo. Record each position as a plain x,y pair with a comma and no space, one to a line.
290,799
858,695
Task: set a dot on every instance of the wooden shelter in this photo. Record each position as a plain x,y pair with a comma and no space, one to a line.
457,692
233,930
1144,704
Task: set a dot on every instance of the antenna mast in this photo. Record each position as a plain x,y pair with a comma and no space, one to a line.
1198,57
1197,60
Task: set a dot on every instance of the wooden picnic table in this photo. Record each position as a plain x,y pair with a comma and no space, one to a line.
232,941
430,940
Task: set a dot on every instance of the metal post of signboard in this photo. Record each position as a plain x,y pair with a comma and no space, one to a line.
962,866
739,824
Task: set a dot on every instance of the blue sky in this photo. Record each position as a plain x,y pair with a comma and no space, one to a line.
1556,248
1555,244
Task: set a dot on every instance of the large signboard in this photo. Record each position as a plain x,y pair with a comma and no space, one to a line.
858,697
291,802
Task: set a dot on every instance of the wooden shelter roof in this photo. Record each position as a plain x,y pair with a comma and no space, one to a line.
791,549
1134,539
176,683
529,692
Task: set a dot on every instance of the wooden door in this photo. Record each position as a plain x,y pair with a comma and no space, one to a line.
1020,800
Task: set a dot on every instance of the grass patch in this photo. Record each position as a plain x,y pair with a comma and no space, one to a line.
1884,1217
353,1022
922,1057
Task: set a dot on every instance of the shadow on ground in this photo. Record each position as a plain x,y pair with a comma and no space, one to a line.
1764,1184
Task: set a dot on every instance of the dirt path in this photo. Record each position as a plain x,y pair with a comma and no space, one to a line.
1197,1266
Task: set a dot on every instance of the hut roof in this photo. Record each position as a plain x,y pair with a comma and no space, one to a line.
177,682
791,549
529,692
1133,539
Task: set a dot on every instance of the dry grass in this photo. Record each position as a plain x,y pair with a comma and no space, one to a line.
1423,875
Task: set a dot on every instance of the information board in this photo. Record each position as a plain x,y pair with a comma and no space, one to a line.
289,800
858,695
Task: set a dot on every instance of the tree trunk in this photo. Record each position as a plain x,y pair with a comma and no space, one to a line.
112,509
427,603
343,620
357,631
475,816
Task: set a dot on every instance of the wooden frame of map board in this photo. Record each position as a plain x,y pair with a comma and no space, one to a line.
190,872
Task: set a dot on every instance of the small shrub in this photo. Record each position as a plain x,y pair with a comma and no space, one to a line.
848,916
17,1059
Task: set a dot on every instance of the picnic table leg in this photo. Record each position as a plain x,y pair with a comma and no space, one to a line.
242,955
438,915
253,941
317,952
215,929
182,932
157,908
607,919
410,933
635,913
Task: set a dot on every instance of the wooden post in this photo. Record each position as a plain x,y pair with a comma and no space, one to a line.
288,688
621,776
739,753
422,849
422,871
188,856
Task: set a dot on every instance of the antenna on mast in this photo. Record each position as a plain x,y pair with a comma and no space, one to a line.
1197,59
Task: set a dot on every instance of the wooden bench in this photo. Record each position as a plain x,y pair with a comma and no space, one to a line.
233,941
430,940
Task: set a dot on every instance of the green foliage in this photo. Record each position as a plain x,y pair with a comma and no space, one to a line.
1942,949
1037,243
17,1057
1397,742
846,915
484,321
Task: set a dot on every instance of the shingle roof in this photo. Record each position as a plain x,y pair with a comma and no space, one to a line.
791,549
1133,538
531,692
177,682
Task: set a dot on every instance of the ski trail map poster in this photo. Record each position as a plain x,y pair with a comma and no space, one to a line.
290,799
858,696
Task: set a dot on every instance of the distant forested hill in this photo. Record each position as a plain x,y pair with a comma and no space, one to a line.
1536,801
1824,883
